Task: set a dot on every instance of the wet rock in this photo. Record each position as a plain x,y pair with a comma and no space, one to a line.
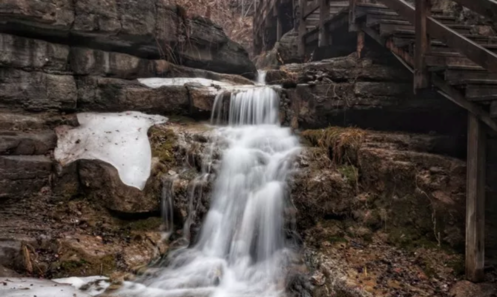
85,61
5,272
102,182
280,77
22,143
36,91
201,99
18,121
23,175
112,94
10,255
32,54
288,47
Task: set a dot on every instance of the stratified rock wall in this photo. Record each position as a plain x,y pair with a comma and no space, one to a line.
372,92
148,29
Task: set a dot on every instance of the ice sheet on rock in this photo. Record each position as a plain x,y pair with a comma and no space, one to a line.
119,139
91,285
29,287
157,82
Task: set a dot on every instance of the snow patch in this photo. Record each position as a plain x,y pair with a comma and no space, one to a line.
29,287
91,285
157,82
119,139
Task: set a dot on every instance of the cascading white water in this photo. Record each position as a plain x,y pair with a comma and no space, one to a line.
241,250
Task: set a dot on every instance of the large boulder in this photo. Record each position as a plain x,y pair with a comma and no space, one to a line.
285,51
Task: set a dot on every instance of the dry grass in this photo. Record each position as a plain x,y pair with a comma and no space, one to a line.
342,143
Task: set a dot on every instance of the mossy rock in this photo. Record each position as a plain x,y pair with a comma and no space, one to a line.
85,266
163,142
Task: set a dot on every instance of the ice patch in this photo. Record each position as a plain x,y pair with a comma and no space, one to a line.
29,287
156,82
91,285
119,139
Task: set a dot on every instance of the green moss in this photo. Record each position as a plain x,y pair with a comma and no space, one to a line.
350,173
163,142
87,266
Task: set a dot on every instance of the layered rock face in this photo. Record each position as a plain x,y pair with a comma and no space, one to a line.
150,29
374,92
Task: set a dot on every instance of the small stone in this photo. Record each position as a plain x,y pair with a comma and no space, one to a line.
318,279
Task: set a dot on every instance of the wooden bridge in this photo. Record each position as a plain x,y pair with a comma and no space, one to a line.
440,52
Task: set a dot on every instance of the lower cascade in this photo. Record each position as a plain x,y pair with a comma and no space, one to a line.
242,249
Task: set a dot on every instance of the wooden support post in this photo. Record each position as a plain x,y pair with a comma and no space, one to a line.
324,13
360,43
352,16
423,10
475,200
493,109
301,41
279,27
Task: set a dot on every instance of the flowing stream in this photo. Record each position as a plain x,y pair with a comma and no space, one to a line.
241,249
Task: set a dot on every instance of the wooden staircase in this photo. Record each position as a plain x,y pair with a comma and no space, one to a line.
442,53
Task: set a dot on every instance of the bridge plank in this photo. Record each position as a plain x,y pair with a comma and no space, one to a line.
481,93
460,77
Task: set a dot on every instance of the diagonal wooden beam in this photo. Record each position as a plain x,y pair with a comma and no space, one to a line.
436,29
310,9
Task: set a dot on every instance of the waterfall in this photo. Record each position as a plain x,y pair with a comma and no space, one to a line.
241,249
